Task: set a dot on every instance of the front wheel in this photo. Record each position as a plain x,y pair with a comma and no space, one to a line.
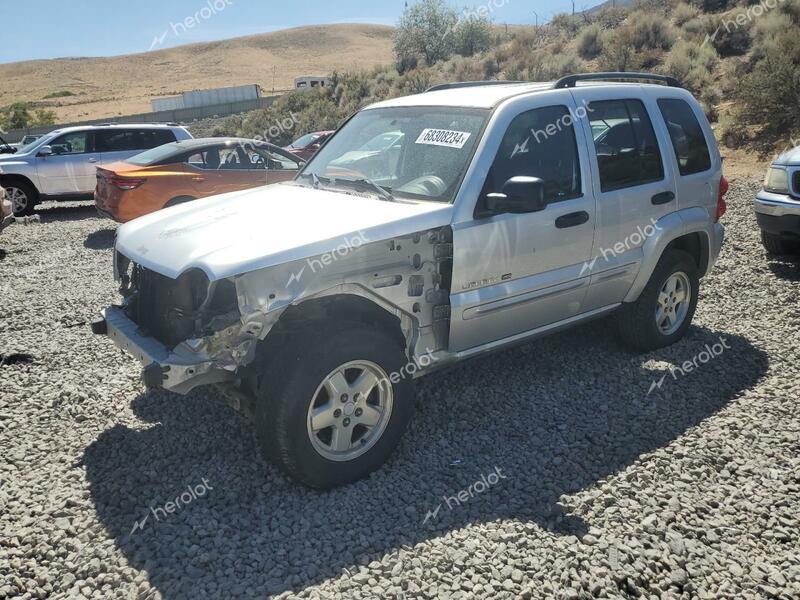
335,406
22,196
664,311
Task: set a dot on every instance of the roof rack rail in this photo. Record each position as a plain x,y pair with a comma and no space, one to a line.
571,80
468,84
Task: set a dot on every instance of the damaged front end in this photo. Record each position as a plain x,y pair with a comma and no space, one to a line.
187,332
190,331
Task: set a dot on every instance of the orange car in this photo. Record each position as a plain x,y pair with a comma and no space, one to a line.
187,170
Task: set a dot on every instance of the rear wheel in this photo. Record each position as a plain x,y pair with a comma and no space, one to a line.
664,311
22,196
335,406
776,245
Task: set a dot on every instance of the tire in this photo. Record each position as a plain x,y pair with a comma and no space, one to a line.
23,197
178,200
294,383
776,245
638,322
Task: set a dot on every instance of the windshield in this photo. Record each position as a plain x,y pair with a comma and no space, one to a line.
151,157
414,152
304,141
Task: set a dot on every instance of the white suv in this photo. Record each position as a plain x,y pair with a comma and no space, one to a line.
498,213
62,164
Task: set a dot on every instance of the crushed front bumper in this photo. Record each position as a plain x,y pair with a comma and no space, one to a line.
170,370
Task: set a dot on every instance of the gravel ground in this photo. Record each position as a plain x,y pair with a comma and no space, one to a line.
575,482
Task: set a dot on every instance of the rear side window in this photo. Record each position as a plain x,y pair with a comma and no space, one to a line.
539,143
626,144
126,140
688,140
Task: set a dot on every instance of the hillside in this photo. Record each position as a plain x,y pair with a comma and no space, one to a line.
740,60
106,87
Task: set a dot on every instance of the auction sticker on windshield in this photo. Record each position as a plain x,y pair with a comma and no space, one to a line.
443,137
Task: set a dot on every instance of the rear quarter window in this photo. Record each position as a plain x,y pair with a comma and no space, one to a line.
686,133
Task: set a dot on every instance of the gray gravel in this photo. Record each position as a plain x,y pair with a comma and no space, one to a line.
589,486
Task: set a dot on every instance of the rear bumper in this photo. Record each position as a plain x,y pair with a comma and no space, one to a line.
716,241
162,368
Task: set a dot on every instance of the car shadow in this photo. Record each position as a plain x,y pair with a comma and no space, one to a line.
102,239
67,211
546,428
786,267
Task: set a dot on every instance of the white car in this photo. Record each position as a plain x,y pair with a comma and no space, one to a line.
62,165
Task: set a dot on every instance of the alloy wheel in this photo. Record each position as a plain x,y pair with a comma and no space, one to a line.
674,301
18,198
350,411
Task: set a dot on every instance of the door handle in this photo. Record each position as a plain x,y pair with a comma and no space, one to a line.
572,220
663,198
199,179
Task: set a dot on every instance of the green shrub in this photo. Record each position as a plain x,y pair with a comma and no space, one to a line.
649,31
700,28
425,30
768,94
683,13
472,34
686,57
618,53
590,42
23,114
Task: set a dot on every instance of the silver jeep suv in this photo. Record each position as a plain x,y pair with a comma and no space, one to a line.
62,165
493,214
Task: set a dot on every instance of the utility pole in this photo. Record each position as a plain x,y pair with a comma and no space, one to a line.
274,72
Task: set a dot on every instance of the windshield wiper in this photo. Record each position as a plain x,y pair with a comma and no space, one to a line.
385,193
316,183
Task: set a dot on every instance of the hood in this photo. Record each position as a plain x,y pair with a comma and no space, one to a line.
236,233
11,160
791,157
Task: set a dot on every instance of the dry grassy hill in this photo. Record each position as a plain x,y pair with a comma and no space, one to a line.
106,87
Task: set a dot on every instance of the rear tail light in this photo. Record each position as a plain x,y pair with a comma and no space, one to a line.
722,206
127,183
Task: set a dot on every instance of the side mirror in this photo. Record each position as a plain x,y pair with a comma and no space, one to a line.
520,195
45,151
